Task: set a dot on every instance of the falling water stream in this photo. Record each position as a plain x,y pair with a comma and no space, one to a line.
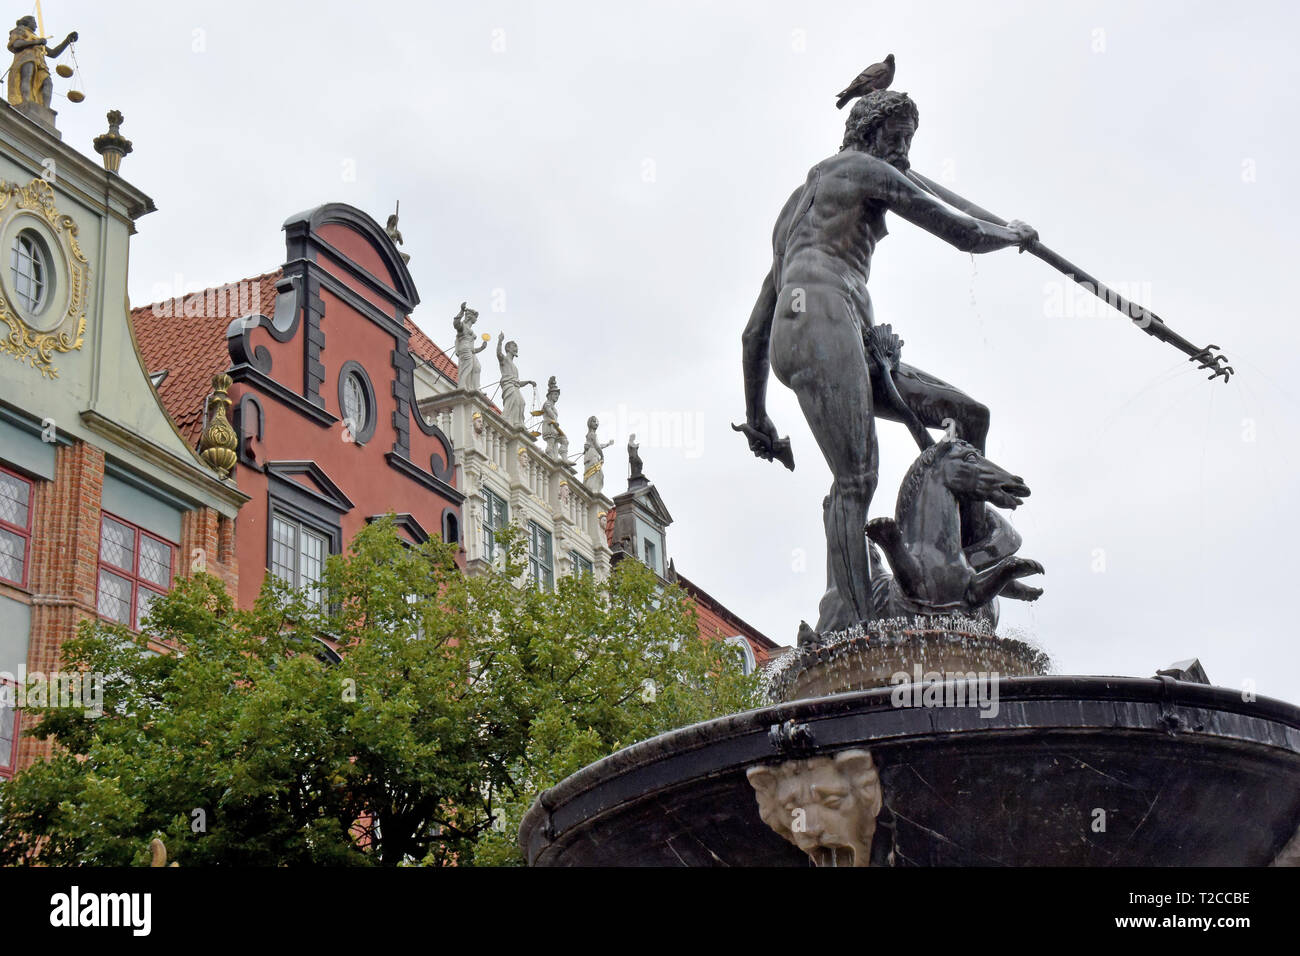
979,317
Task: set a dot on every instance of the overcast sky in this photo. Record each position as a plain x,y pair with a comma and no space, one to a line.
600,180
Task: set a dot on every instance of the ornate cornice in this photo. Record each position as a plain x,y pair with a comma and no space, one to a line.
185,471
78,174
412,470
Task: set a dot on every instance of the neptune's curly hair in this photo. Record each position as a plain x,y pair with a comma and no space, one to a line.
871,111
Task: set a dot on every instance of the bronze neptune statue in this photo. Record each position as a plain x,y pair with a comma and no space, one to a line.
814,327
814,313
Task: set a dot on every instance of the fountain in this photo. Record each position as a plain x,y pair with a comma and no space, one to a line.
902,730
1081,771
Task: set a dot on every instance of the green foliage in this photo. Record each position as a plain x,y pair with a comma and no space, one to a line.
457,700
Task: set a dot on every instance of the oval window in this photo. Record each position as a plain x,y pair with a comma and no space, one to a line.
355,409
29,271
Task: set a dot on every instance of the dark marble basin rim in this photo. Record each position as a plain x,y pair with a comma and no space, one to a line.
1026,705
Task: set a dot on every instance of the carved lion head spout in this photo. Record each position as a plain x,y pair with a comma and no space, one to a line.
826,806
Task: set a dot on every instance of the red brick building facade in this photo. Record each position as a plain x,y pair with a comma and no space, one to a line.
317,468
322,353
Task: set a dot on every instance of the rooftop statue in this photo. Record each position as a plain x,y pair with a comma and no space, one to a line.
512,396
551,432
395,234
634,457
29,77
593,457
468,369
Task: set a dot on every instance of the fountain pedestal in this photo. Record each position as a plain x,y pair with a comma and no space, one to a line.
899,651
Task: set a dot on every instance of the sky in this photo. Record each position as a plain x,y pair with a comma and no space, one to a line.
601,180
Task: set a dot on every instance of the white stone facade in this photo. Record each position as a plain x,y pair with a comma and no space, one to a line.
492,455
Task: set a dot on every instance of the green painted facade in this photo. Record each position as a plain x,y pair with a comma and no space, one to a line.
98,393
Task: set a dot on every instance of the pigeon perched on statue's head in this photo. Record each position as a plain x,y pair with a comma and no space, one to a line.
878,76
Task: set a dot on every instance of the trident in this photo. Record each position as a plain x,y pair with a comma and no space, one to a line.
1145,319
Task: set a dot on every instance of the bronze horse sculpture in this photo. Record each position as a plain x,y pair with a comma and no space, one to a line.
933,571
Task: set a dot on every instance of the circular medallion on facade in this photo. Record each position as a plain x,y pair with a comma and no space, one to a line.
45,278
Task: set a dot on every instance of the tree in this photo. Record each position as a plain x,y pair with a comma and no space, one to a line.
456,700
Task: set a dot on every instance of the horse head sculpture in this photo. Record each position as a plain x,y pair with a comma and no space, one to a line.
950,552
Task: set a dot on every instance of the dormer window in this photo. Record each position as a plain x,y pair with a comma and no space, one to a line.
746,653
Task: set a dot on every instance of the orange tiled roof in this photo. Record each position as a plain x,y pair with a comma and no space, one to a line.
718,620
187,337
423,346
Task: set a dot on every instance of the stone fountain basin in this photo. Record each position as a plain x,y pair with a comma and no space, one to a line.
1186,774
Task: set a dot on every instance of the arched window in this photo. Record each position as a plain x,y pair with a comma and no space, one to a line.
748,662
450,527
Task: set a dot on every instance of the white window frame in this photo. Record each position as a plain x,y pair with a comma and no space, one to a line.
750,662
489,528
582,564
541,572
650,556
361,418
41,262
300,530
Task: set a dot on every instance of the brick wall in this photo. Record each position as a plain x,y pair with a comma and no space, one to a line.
205,532
64,558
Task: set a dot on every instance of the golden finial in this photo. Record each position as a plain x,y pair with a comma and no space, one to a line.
218,444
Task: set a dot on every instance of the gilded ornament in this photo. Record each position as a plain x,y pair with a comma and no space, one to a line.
33,338
218,444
